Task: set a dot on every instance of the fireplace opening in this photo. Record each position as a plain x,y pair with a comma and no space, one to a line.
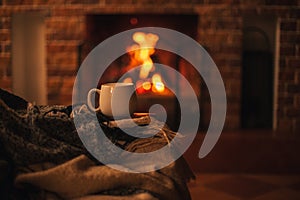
147,76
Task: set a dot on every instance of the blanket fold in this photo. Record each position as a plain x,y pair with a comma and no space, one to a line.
80,177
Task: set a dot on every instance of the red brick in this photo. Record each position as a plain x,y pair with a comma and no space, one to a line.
228,62
65,29
155,2
281,2
6,47
294,12
297,100
252,2
54,81
281,88
60,89
83,1
62,47
235,97
4,36
17,2
278,11
294,62
231,49
5,63
64,71
65,59
120,2
287,75
197,1
4,60
5,22
232,73
51,2
234,62
280,112
68,11
298,77
234,109
293,112
232,123
68,85
285,125
220,1
283,101
2,71
225,22
214,39
287,49
248,10
293,88
282,62
290,37
59,99
230,24
221,57
6,83
288,25
296,127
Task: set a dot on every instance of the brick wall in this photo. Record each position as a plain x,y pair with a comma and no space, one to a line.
220,31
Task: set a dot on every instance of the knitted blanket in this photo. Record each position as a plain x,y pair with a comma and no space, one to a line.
49,160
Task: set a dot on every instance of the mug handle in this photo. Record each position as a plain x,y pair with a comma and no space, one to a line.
89,99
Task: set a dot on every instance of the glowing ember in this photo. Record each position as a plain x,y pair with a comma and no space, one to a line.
158,85
147,85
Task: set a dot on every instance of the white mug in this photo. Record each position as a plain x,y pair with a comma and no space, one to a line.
115,99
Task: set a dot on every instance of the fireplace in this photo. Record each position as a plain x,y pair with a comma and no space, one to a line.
144,73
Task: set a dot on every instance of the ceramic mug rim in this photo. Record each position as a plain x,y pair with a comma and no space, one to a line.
116,84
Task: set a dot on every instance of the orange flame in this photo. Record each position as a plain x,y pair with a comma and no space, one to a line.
141,53
146,44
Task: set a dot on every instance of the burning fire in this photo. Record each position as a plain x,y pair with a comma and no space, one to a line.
157,83
140,54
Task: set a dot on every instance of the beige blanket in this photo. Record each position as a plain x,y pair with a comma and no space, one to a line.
80,178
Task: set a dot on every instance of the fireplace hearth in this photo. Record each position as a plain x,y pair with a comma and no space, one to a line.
150,82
